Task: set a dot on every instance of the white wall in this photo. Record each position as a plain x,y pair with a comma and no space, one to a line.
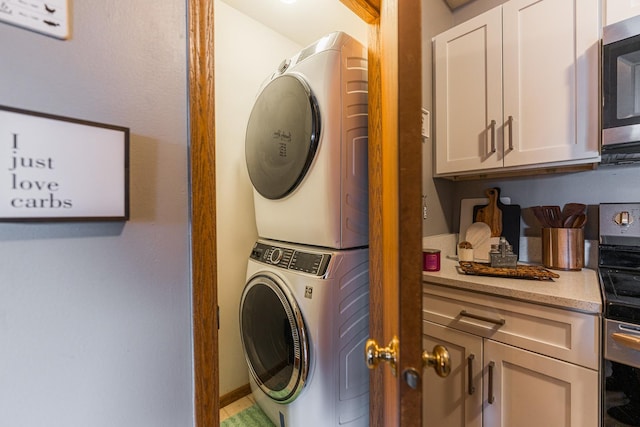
95,318
246,53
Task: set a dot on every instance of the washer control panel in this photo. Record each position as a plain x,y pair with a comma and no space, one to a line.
291,259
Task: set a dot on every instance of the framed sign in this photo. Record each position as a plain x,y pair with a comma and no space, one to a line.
59,168
50,17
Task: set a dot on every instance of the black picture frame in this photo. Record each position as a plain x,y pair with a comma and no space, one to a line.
61,168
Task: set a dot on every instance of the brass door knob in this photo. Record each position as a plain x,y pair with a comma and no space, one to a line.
374,354
438,359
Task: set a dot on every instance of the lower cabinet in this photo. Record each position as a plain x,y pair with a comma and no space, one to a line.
495,384
454,401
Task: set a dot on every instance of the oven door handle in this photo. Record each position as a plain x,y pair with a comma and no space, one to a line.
629,341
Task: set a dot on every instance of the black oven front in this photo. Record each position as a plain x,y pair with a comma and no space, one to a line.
619,273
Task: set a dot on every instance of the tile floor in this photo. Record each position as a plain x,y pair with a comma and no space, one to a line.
233,408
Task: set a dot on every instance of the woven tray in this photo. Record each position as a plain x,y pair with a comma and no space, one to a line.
532,272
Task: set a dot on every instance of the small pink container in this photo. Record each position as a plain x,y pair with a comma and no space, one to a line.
430,260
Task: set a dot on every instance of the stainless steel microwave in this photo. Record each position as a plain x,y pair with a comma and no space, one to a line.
621,92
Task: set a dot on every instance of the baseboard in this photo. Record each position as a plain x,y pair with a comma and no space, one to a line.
234,395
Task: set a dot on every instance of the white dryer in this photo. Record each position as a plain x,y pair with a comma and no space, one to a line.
304,320
306,147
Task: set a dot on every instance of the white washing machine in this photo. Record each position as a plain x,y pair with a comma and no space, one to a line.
304,320
306,147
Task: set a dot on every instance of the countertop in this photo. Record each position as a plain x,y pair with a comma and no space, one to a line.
573,290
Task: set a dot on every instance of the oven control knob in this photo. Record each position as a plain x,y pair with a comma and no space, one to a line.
623,218
275,256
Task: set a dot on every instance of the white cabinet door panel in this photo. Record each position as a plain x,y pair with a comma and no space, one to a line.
541,81
619,10
454,401
531,390
468,94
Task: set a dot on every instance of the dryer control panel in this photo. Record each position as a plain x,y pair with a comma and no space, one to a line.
291,259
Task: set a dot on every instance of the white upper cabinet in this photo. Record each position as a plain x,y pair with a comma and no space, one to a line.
517,88
619,10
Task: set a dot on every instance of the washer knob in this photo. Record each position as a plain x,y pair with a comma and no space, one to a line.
275,256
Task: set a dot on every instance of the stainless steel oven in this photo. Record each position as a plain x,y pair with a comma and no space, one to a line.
619,272
621,92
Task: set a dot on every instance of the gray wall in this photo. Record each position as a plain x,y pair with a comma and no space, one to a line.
607,184
439,202
95,318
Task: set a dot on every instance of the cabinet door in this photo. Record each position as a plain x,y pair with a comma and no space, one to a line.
454,401
550,68
468,95
617,10
531,390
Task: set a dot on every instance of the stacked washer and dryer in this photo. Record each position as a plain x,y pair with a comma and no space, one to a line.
304,311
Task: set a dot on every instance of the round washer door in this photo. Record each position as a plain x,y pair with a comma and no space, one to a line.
282,136
274,338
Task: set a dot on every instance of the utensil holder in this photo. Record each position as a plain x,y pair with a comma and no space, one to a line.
563,248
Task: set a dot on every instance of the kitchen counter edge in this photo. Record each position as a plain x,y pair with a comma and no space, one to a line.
573,290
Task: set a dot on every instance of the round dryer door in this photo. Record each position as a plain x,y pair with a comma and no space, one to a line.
274,338
282,136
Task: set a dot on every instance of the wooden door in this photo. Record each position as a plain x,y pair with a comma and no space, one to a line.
395,181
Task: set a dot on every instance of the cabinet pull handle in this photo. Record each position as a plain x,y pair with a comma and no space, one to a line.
471,388
493,136
491,398
500,322
510,123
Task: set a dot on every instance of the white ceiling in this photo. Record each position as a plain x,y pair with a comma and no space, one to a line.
304,21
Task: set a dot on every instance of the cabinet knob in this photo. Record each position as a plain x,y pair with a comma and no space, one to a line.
438,359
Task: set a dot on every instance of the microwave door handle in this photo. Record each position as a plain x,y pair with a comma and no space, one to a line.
629,341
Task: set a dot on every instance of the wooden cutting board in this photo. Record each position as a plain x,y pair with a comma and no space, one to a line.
491,214
467,206
510,221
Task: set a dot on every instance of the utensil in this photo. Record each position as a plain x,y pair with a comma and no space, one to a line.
540,216
579,221
553,216
569,213
573,209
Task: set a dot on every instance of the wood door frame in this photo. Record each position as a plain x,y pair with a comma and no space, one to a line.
394,158
203,212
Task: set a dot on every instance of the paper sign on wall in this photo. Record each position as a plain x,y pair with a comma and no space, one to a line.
58,168
49,17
